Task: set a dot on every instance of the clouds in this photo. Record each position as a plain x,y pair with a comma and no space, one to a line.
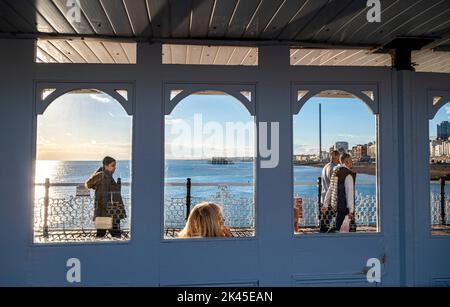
306,149
447,110
102,98
174,121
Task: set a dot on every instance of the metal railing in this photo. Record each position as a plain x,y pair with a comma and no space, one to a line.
440,203
75,213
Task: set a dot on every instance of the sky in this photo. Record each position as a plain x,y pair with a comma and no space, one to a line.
343,119
228,128
442,115
90,126
84,127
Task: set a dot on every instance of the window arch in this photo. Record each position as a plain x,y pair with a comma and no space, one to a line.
209,157
46,93
341,119
76,128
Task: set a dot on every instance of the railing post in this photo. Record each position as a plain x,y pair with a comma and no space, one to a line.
319,192
319,203
443,220
188,197
46,203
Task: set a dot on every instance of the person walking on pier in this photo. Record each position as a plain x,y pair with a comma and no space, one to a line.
325,214
108,198
341,193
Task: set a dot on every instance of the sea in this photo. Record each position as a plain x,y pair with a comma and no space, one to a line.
206,178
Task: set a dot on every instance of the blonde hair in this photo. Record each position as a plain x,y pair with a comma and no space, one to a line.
205,220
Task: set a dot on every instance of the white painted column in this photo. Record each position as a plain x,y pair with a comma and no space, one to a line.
274,185
16,180
403,92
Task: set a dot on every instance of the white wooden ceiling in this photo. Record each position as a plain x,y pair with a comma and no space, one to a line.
89,51
106,52
315,21
332,24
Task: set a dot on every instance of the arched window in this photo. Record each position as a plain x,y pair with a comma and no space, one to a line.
209,157
77,198
439,149
335,162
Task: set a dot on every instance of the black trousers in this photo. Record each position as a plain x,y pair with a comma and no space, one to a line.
115,231
340,216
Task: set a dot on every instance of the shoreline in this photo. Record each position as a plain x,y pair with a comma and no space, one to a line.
436,170
363,168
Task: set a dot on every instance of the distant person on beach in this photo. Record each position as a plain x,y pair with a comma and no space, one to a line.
325,214
108,198
205,220
341,193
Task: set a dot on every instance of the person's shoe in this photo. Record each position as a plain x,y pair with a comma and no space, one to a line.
332,230
117,234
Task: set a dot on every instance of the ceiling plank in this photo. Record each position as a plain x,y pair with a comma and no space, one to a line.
160,17
179,54
82,25
43,56
6,27
65,48
87,54
422,12
117,52
356,23
223,55
137,11
355,9
266,10
15,19
53,51
130,51
302,18
118,17
284,18
53,15
201,15
433,26
321,17
223,10
100,51
241,17
166,54
29,13
440,59
96,17
251,58
180,15
399,10
239,55
208,55
194,54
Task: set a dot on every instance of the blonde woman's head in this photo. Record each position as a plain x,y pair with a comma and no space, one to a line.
205,220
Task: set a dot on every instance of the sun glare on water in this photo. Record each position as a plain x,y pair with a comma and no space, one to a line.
45,169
